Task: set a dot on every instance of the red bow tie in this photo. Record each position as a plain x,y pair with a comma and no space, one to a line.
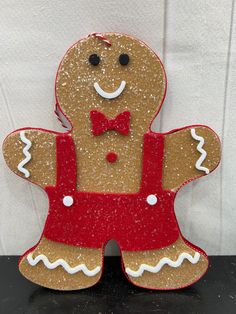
101,124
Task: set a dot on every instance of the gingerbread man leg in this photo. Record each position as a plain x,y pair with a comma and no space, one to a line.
62,267
173,267
180,264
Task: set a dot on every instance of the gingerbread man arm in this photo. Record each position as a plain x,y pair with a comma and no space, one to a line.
31,154
190,153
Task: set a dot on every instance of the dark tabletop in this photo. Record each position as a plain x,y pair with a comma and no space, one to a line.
215,293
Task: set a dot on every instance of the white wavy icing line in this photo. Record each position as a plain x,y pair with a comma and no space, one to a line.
28,143
199,162
162,262
63,263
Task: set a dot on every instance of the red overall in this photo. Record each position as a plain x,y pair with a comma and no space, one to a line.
94,218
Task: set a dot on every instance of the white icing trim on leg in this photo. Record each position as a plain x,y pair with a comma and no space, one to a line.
199,162
61,262
162,262
27,158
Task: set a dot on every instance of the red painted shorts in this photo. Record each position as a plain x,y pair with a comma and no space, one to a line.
138,221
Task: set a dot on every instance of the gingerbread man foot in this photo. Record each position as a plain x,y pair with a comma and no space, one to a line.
176,266
62,267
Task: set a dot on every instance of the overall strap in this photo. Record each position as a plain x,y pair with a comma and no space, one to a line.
153,155
66,162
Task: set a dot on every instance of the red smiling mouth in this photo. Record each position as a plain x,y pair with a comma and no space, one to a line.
111,95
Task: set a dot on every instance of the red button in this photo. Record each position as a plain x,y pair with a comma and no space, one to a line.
111,157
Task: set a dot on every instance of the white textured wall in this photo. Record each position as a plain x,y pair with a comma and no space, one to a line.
197,43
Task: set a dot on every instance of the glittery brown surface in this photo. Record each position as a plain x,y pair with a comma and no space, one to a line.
58,278
142,96
181,155
42,166
169,277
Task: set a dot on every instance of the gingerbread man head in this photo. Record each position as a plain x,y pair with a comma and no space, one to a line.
110,73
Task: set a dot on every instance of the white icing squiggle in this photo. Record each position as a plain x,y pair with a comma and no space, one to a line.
28,143
199,162
162,262
61,262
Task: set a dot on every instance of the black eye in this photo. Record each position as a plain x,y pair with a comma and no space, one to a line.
94,59
124,59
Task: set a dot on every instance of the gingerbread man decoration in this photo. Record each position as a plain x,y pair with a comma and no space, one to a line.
110,176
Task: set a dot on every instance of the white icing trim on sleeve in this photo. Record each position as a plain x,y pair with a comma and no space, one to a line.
162,262
63,263
28,143
199,162
112,95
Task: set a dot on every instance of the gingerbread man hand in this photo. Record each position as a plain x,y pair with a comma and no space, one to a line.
110,176
31,154
190,153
